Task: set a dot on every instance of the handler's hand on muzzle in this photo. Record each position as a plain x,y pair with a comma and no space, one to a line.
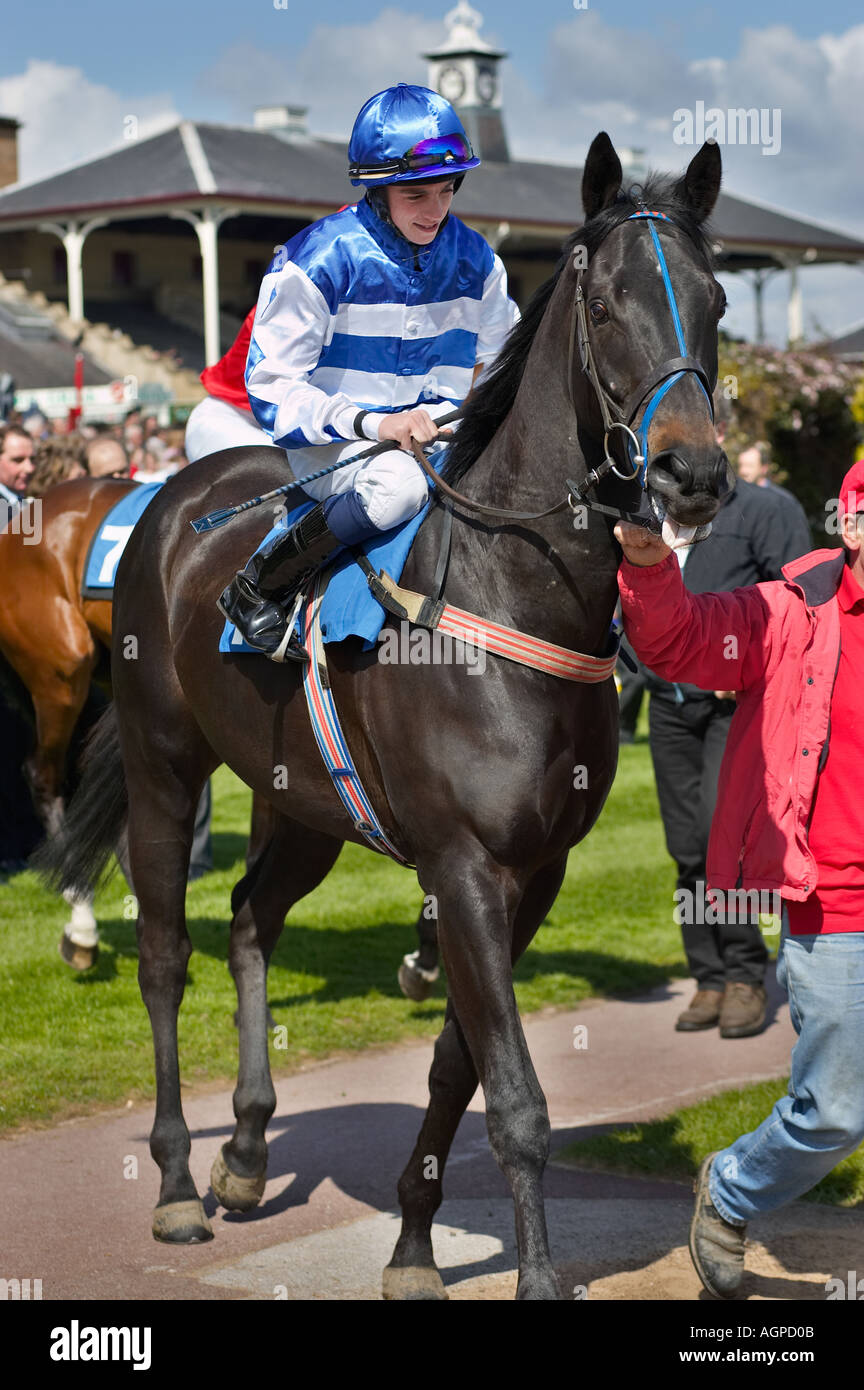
641,546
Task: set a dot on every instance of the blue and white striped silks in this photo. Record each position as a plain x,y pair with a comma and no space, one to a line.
349,319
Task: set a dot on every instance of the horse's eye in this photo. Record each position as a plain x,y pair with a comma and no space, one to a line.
598,311
723,307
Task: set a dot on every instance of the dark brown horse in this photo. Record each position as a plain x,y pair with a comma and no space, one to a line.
56,643
483,783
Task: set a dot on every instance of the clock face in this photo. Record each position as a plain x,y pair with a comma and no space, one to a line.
451,84
486,85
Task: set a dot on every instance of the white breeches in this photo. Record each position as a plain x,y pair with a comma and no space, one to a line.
215,425
392,487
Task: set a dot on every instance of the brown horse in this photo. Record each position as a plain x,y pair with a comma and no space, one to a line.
484,784
56,643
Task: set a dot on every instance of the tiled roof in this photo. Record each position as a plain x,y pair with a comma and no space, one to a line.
246,166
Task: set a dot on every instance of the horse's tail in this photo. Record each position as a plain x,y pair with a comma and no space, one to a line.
95,818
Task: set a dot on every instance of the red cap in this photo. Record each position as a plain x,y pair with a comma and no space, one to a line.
852,491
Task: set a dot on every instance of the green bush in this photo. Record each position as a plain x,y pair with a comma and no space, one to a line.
808,406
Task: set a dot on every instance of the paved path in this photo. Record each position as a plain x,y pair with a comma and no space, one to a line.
340,1136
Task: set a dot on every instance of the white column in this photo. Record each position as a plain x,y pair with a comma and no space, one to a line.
73,235
207,223
73,241
794,308
206,228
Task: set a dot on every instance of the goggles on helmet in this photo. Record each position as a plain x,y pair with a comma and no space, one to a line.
434,153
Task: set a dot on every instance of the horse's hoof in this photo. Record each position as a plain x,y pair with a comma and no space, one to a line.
182,1223
235,1193
79,957
415,982
413,1282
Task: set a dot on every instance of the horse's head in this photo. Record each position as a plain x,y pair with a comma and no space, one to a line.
649,309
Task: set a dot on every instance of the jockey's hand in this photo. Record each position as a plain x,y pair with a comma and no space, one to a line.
417,424
641,546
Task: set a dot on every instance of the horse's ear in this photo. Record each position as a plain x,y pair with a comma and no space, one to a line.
701,183
601,177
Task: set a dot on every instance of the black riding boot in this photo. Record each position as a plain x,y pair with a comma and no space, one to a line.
258,596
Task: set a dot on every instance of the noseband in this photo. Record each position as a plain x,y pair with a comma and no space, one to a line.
656,383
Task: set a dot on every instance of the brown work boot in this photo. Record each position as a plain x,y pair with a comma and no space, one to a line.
743,1010
716,1246
703,1011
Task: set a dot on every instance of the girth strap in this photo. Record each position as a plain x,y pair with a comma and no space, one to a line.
327,729
508,642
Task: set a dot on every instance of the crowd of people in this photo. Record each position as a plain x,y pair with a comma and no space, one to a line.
45,452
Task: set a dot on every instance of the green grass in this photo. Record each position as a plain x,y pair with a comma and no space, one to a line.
71,1043
675,1147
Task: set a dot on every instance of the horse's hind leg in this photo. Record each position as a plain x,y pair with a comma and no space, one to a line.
287,868
163,798
419,970
411,1273
58,699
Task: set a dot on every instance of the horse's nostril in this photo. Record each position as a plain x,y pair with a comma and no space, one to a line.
721,476
678,468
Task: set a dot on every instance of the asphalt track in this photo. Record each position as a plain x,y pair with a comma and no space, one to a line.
76,1216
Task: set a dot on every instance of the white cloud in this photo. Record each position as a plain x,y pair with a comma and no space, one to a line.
67,119
338,68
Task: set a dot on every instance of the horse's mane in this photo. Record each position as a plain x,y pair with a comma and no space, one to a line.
488,405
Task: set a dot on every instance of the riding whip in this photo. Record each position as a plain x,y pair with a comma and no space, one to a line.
213,520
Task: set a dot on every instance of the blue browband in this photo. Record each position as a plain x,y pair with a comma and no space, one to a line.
679,333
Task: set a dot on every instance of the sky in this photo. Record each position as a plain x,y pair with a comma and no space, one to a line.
73,74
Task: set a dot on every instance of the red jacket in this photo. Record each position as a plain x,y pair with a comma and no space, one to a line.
226,379
778,645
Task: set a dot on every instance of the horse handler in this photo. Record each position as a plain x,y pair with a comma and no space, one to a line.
789,819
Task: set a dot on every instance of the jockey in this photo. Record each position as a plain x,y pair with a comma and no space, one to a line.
223,420
370,324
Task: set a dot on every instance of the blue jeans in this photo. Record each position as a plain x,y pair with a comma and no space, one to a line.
821,1120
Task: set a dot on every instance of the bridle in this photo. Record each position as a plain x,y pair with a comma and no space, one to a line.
656,384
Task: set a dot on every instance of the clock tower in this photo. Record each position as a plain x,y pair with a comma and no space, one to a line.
464,70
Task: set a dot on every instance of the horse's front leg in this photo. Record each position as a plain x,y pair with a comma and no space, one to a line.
478,901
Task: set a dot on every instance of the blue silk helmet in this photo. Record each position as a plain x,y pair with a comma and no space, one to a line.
406,133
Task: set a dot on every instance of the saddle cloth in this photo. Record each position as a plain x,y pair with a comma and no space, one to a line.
110,538
348,608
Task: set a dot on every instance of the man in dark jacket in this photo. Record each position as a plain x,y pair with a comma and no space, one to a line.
756,532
